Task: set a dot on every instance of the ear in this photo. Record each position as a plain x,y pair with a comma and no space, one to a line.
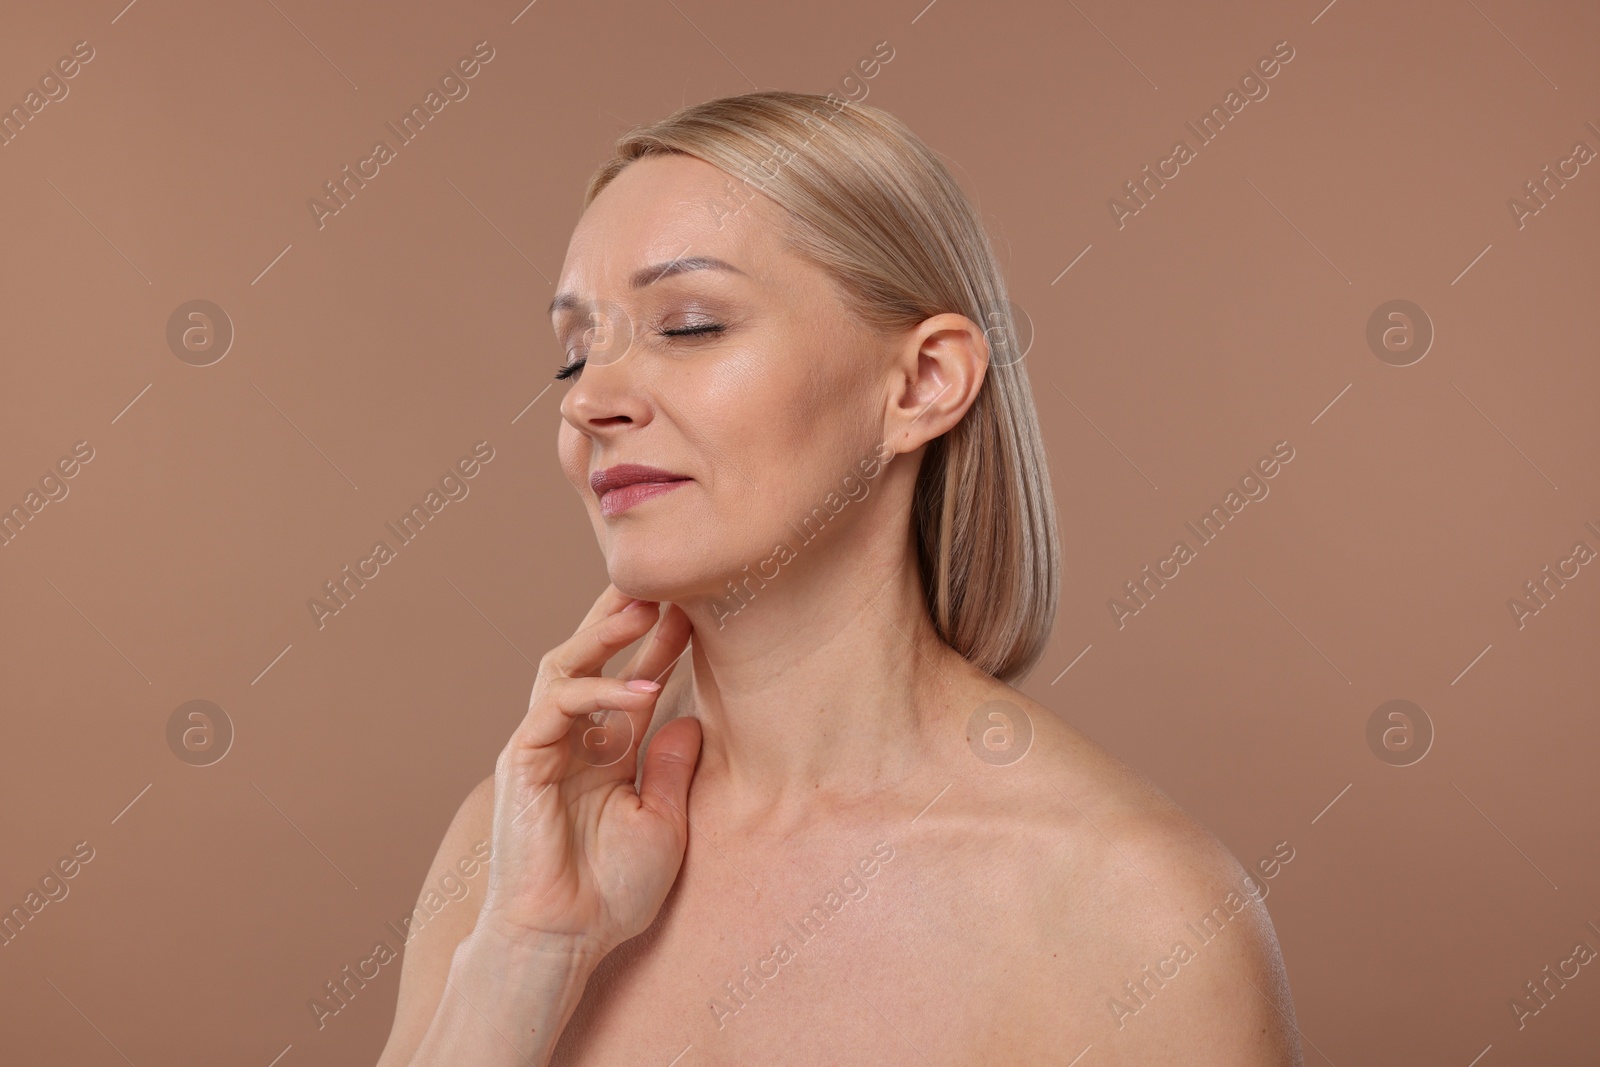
937,375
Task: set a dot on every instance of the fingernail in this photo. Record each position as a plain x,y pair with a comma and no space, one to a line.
637,603
643,685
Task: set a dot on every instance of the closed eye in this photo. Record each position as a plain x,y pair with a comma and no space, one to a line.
573,368
692,331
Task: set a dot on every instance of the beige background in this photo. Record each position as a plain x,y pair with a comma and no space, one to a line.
372,353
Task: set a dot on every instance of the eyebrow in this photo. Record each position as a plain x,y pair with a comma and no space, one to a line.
654,273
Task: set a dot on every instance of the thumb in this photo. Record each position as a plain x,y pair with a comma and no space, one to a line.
668,767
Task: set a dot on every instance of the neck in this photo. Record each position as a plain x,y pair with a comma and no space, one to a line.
826,688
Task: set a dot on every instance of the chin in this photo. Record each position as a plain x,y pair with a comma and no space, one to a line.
657,576
650,567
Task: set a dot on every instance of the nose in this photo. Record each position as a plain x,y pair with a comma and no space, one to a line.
605,398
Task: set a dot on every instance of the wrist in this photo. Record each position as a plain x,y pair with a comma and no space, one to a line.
536,949
507,998
518,980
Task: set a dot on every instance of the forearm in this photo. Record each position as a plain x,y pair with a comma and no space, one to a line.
505,1003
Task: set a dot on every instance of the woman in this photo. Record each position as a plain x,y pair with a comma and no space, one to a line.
838,835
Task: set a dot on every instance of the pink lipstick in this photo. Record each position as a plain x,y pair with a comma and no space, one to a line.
621,487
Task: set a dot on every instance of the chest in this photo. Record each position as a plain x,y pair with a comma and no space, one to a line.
871,951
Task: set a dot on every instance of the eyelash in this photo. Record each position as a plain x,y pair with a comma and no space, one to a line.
569,370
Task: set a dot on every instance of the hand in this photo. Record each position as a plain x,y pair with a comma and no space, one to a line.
582,859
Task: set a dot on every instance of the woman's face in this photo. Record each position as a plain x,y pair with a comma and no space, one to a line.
767,408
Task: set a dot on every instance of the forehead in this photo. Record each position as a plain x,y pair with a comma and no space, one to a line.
665,208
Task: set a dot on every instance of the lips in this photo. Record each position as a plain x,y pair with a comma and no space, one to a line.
627,484
603,481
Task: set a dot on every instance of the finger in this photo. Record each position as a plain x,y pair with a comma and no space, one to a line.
611,601
663,648
668,767
585,653
548,721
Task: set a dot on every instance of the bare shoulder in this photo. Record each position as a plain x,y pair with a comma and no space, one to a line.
1161,938
446,911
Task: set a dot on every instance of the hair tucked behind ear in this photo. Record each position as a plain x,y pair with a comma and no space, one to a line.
876,209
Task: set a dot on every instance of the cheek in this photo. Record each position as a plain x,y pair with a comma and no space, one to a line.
796,454
729,416
768,405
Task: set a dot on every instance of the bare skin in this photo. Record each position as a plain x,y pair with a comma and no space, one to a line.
818,849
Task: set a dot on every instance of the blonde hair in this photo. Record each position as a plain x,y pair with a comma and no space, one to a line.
877,210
